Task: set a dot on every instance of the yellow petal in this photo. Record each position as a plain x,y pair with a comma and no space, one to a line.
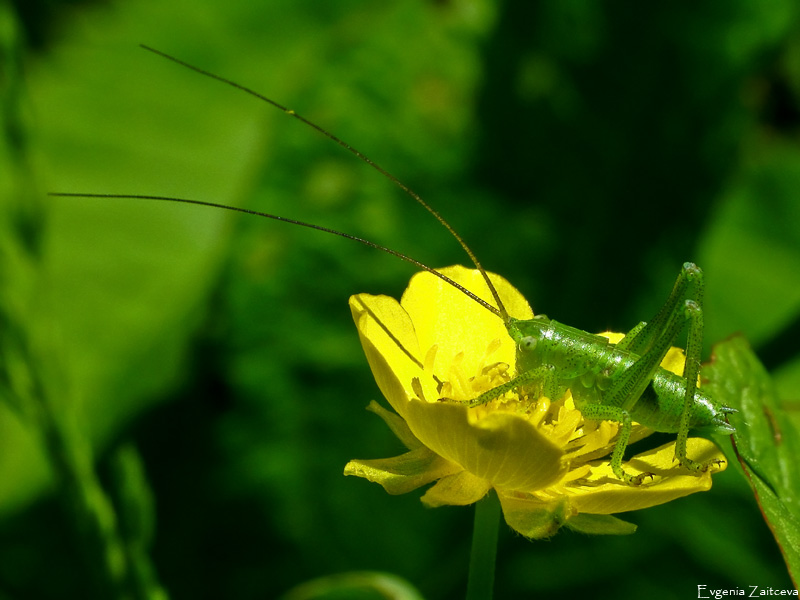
674,360
533,518
605,494
403,473
612,336
503,448
445,317
459,489
387,336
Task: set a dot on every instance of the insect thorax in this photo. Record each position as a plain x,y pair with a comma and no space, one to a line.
572,352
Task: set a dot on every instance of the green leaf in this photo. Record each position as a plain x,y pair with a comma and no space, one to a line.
766,442
117,289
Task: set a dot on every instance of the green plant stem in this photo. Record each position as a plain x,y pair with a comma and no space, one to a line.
484,548
87,504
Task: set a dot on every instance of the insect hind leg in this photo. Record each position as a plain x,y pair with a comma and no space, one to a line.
693,313
653,340
644,336
691,370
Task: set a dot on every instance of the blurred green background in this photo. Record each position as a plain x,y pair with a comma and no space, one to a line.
584,150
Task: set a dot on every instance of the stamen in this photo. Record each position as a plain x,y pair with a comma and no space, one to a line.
578,473
541,408
430,358
416,387
459,380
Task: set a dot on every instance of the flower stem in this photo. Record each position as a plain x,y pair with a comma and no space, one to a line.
484,548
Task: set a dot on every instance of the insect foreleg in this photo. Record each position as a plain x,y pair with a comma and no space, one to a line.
544,376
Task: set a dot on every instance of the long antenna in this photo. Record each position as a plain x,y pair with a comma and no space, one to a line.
502,313
348,236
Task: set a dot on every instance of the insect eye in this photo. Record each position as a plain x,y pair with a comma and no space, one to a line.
528,343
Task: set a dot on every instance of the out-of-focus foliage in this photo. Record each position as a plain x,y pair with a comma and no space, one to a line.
584,149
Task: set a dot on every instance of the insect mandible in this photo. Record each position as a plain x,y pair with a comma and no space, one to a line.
620,382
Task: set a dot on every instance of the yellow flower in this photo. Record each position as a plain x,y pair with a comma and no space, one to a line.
539,454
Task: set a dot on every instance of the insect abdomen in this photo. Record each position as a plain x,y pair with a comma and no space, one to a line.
661,405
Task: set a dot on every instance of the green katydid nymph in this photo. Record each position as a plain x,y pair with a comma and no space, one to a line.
620,382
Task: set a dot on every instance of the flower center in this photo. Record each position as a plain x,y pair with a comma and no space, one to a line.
557,418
